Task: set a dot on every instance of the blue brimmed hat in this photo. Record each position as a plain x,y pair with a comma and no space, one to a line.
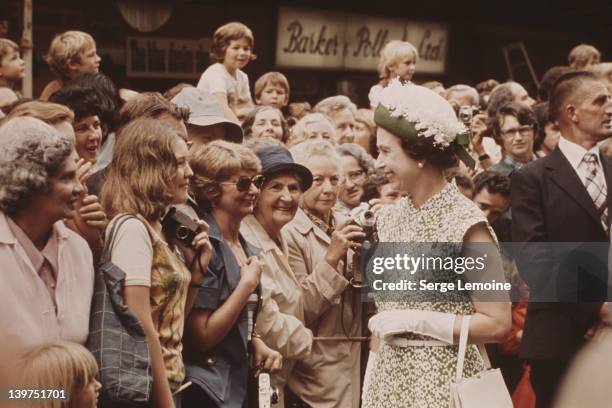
277,159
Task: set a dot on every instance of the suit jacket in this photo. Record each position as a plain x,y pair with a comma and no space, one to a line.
551,205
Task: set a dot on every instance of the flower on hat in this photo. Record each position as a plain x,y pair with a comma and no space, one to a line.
432,115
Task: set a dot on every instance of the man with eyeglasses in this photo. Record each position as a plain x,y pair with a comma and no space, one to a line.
513,128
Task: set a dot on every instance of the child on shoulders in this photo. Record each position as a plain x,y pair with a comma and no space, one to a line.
232,50
397,60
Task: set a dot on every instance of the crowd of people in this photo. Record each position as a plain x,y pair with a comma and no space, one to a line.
263,281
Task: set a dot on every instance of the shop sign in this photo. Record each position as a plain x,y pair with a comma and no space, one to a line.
327,40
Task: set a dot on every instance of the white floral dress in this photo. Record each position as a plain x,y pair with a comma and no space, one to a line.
421,376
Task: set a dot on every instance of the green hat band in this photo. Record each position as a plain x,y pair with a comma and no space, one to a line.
406,130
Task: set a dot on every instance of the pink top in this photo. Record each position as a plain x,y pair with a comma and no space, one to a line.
29,315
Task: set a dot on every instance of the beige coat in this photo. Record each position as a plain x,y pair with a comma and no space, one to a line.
280,321
329,377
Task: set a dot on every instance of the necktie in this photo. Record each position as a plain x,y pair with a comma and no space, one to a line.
595,186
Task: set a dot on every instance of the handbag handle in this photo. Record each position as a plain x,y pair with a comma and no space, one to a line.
108,244
463,339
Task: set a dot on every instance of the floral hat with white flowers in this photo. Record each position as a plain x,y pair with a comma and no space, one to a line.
411,111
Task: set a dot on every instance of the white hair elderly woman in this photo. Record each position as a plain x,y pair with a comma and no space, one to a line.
313,126
342,111
318,240
89,220
47,269
280,322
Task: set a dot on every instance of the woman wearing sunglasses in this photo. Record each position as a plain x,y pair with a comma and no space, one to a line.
318,239
219,327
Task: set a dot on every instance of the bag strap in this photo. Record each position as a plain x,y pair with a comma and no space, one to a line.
463,339
484,355
108,243
152,234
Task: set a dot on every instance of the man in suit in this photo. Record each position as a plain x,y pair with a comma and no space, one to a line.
562,198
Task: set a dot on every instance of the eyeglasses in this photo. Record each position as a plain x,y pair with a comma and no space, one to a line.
525,131
243,184
354,176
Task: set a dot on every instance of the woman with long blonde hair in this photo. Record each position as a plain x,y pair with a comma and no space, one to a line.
150,172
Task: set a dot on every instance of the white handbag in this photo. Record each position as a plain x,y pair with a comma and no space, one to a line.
486,389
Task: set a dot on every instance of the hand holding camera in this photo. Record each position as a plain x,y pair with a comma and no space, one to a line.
264,358
200,254
191,236
265,361
466,113
365,217
478,128
347,235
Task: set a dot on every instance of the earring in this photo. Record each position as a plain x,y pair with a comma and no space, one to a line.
420,165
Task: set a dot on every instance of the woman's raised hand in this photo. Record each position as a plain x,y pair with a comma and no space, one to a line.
478,127
89,221
83,171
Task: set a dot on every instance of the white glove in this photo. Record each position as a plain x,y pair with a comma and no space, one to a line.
424,322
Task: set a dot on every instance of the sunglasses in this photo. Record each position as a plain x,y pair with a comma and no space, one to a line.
244,183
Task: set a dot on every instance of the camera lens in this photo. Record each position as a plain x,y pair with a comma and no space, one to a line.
182,232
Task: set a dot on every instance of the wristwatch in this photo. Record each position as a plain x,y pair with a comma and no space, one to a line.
483,157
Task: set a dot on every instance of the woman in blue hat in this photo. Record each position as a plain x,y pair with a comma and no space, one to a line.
280,322
419,137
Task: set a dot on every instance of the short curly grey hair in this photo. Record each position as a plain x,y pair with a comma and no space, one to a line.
31,152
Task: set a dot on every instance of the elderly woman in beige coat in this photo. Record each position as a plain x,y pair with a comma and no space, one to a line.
280,322
318,241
